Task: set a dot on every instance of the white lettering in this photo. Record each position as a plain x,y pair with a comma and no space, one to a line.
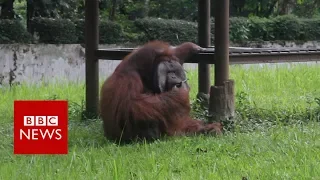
41,120
35,133
28,120
23,133
52,120
58,134
44,134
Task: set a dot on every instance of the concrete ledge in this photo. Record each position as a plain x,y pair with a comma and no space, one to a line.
33,63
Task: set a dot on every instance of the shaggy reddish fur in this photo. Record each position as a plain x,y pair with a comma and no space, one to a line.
129,107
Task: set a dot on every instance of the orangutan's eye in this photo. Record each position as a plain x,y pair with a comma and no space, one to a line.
178,85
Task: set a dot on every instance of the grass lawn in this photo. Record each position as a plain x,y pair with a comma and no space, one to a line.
277,138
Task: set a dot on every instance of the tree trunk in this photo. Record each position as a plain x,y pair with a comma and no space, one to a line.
7,11
30,13
112,15
284,7
146,7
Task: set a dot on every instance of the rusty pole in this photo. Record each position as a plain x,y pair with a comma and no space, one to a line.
92,63
221,67
204,40
222,99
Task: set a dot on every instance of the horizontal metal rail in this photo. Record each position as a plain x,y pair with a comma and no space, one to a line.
238,55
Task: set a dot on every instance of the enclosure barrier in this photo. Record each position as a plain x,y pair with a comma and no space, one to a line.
224,95
238,55
221,102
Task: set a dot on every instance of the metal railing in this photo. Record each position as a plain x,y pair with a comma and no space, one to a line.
238,55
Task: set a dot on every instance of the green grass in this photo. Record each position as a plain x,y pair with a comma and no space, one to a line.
281,153
289,148
264,85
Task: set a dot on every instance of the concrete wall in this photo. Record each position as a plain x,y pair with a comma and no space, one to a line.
45,62
35,63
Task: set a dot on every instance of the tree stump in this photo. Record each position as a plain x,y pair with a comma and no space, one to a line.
222,101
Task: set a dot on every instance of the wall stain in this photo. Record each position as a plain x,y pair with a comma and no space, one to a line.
12,75
1,79
25,50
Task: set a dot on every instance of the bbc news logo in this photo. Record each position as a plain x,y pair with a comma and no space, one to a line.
33,134
40,127
40,120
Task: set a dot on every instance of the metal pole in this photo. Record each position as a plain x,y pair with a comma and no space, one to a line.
92,63
204,41
221,41
222,98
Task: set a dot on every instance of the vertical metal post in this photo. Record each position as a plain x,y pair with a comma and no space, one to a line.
222,98
92,63
221,66
204,41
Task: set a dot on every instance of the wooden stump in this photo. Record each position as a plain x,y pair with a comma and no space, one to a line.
222,101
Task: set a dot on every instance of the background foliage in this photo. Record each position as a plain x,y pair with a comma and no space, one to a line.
67,31
173,9
137,21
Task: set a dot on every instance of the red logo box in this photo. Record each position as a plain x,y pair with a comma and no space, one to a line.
40,127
